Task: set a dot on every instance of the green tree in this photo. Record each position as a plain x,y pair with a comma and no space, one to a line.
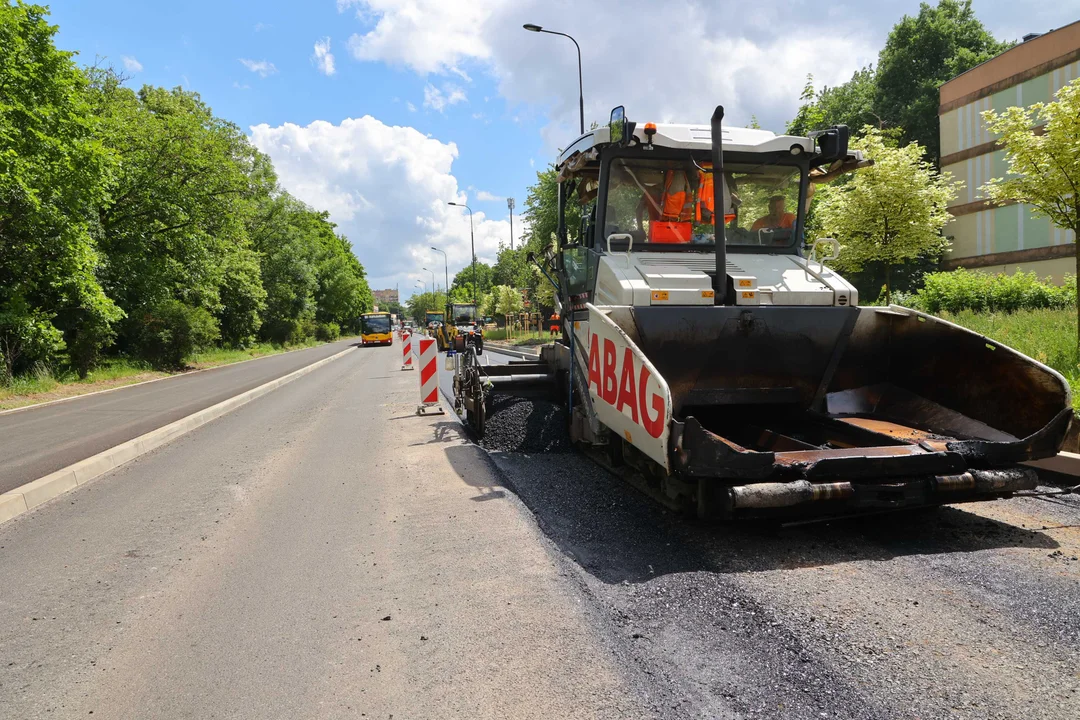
511,267
1044,169
810,115
243,298
462,282
507,302
889,213
288,263
420,304
920,54
486,306
851,104
542,210
175,222
53,176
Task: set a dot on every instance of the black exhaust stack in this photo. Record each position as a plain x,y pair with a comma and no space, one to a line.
720,279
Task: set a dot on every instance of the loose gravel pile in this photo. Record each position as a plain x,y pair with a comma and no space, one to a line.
526,425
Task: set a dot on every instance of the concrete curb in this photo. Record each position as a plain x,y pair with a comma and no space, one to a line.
1065,463
186,373
26,497
511,351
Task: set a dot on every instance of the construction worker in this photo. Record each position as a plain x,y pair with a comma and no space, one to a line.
672,224
553,325
777,217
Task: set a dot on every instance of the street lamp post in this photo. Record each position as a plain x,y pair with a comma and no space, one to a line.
422,285
434,288
581,92
446,271
472,247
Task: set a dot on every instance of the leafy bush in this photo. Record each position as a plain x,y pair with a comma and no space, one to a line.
288,331
327,332
86,340
28,339
169,333
982,292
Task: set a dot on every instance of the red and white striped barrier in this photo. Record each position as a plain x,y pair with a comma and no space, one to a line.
429,378
406,350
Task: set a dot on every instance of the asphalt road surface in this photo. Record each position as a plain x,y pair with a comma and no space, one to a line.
324,552
321,552
37,441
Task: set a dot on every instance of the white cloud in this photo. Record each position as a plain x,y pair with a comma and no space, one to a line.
322,57
485,196
262,67
753,59
131,64
410,106
239,86
437,99
259,27
427,35
387,188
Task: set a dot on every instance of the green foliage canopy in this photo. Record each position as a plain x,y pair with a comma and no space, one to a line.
920,54
889,213
141,218
1044,169
54,175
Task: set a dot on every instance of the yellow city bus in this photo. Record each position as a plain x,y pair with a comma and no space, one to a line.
375,329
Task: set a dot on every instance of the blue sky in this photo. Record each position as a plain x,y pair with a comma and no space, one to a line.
448,98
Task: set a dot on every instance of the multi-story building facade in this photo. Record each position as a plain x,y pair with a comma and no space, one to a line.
1003,238
384,297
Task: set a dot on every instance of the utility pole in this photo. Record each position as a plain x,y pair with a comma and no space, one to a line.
510,206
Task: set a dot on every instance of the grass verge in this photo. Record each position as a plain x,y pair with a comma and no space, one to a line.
45,386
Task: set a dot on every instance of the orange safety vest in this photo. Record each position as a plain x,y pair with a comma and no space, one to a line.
676,211
787,221
705,207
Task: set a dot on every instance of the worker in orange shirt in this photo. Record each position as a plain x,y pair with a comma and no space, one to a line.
777,217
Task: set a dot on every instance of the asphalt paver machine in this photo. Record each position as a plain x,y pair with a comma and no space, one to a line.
709,353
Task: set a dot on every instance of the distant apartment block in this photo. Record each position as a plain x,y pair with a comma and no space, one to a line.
385,297
1004,238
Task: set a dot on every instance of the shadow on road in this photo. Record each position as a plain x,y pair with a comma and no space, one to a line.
619,535
471,464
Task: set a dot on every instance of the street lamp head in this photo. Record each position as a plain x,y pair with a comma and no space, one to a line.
532,28
453,203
